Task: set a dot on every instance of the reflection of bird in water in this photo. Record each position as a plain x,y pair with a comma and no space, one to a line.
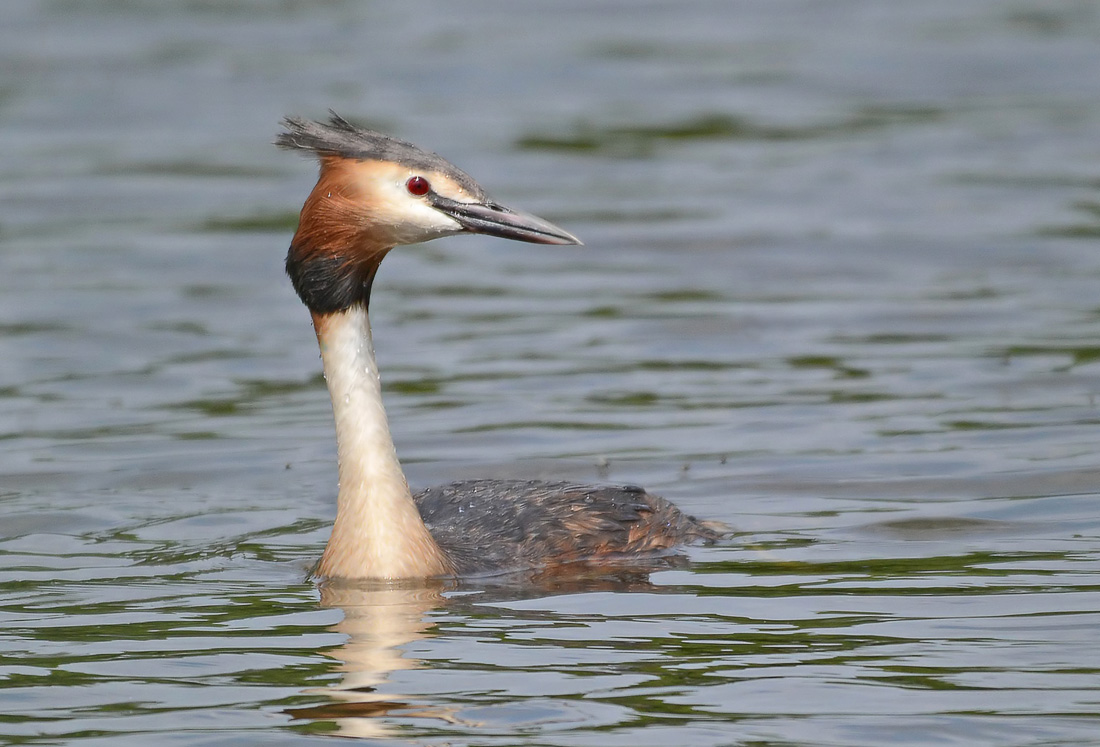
374,193
378,621
381,620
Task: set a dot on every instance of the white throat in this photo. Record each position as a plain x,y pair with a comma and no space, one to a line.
378,531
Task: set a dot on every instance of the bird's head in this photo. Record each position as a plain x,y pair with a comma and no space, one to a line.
376,192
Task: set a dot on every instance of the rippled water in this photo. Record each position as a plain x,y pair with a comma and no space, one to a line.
840,290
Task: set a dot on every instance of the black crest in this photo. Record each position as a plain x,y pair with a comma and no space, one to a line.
339,137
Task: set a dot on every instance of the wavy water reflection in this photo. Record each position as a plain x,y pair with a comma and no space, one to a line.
839,291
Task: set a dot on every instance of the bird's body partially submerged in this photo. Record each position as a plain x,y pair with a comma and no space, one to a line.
485,526
373,193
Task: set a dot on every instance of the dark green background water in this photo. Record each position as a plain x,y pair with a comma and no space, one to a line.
841,290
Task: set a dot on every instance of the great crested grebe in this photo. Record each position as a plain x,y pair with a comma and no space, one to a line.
376,192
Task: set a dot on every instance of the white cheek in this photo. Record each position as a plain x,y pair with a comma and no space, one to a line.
427,222
410,219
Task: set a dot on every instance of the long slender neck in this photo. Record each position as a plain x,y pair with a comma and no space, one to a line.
378,531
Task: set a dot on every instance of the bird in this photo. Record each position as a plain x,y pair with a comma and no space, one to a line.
375,192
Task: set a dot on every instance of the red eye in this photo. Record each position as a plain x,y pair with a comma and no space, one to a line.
418,185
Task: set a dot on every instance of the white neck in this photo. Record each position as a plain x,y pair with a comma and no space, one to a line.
378,531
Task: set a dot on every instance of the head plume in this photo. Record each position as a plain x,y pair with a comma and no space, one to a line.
340,138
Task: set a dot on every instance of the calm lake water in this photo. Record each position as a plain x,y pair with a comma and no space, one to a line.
841,290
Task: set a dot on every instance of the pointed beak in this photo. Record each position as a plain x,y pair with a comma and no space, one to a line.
497,220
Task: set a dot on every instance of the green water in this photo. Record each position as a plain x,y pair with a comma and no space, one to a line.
839,290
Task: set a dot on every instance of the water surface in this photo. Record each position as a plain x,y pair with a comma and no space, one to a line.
839,291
